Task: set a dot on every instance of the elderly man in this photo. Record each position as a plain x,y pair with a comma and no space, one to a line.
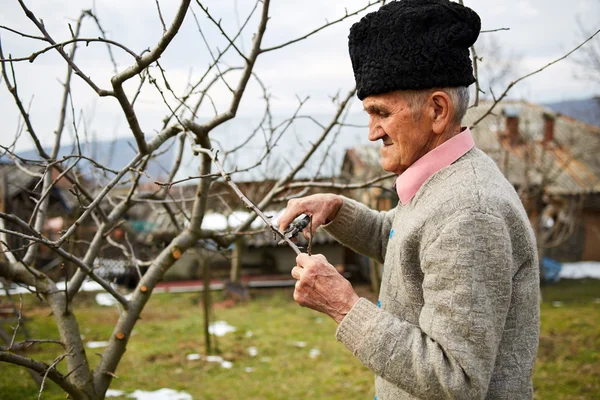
458,313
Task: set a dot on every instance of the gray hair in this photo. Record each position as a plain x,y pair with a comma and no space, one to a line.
459,96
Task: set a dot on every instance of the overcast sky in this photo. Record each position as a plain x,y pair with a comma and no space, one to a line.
319,67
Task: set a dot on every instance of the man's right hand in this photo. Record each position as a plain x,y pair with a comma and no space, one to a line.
321,207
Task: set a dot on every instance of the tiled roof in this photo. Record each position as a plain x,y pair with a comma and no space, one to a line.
567,165
16,179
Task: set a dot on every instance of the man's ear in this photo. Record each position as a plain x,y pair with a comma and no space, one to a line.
441,111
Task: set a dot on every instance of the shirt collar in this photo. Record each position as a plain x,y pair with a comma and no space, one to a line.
410,181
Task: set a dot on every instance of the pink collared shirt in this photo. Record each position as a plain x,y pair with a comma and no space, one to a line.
410,181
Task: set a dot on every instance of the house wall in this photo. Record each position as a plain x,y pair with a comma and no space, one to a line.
591,250
584,242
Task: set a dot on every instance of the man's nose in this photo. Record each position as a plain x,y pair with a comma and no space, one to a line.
374,130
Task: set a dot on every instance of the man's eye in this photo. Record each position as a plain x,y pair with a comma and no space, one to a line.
377,113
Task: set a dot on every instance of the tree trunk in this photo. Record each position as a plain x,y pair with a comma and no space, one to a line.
206,306
236,260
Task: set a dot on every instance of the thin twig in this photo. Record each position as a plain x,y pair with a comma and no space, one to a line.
43,368
33,56
162,21
218,24
494,30
346,16
243,82
78,72
24,345
52,366
19,320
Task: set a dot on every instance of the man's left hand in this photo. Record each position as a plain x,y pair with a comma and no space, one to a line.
321,287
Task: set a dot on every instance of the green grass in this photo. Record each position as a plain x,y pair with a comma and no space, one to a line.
171,328
568,362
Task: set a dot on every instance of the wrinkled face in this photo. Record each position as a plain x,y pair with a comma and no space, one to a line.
404,140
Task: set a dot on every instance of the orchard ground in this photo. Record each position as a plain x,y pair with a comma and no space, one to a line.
279,350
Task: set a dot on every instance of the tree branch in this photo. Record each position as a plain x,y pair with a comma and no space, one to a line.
239,92
43,368
49,39
33,56
348,15
247,201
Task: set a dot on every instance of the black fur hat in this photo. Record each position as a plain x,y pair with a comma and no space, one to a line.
413,44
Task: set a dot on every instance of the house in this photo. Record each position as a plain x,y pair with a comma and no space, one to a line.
550,159
20,189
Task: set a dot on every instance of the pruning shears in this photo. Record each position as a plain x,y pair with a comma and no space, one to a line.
295,228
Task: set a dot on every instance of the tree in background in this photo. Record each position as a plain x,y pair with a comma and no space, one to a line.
588,58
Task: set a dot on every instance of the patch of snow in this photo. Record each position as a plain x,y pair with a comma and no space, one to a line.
16,290
252,351
86,286
249,369
300,344
217,359
249,334
237,217
91,286
220,328
314,353
193,357
96,345
107,300
213,221
557,304
580,270
161,394
114,393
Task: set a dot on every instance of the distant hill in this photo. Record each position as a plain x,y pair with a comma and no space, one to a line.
585,110
113,154
285,147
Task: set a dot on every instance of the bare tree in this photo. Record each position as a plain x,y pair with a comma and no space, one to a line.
104,207
497,65
588,59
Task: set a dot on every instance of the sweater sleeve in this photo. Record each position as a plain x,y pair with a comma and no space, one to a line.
466,290
363,230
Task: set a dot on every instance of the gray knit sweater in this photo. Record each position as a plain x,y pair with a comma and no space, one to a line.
458,315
